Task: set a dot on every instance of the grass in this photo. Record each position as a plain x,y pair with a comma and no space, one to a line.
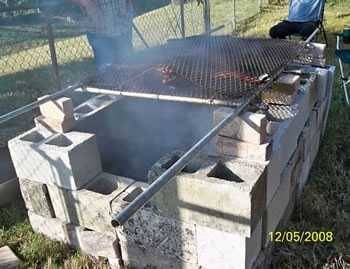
325,204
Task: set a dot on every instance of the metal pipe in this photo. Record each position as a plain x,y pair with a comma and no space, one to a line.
120,218
33,105
308,40
53,54
154,96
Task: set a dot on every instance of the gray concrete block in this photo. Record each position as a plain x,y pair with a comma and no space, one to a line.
89,207
279,203
148,239
218,249
69,161
55,126
8,259
244,150
94,105
229,195
90,242
249,127
59,109
286,138
36,198
52,228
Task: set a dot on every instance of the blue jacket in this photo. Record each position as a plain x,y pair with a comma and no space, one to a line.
305,10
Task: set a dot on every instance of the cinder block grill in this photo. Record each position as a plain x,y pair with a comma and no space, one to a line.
221,68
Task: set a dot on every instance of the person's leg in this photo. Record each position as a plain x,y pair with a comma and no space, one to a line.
283,29
103,49
306,29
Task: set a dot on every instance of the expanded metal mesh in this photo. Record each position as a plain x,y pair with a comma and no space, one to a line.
215,68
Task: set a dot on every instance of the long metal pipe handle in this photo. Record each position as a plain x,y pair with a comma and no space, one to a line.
33,105
119,219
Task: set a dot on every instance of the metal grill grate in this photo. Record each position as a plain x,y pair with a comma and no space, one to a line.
212,68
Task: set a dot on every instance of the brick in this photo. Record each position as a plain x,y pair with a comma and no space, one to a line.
69,161
59,109
217,249
207,196
249,127
8,259
36,198
244,150
89,207
56,126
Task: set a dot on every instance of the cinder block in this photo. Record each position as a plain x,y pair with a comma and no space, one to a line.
287,83
59,109
272,127
217,249
52,228
90,242
304,175
286,138
229,195
89,207
249,127
36,198
94,105
69,161
148,239
279,203
8,259
54,125
244,150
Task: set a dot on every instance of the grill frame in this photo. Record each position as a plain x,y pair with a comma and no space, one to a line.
257,59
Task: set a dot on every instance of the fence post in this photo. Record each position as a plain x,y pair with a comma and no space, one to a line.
182,17
207,21
53,55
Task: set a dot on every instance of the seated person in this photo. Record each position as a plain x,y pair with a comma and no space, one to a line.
303,19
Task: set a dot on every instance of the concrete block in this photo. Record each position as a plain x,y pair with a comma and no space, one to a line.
90,242
69,161
272,127
304,175
288,83
52,228
8,259
249,127
229,195
244,150
36,198
286,138
217,249
89,207
321,83
148,239
59,109
94,105
315,146
279,203
55,126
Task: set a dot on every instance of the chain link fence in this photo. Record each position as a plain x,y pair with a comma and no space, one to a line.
29,69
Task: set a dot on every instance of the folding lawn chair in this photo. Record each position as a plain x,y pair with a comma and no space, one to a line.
344,58
319,22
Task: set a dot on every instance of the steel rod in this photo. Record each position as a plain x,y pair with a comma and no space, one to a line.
158,97
33,105
120,218
314,33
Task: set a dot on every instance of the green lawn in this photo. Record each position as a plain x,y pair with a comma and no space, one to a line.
324,205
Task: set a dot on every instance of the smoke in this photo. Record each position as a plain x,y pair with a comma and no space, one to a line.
133,134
